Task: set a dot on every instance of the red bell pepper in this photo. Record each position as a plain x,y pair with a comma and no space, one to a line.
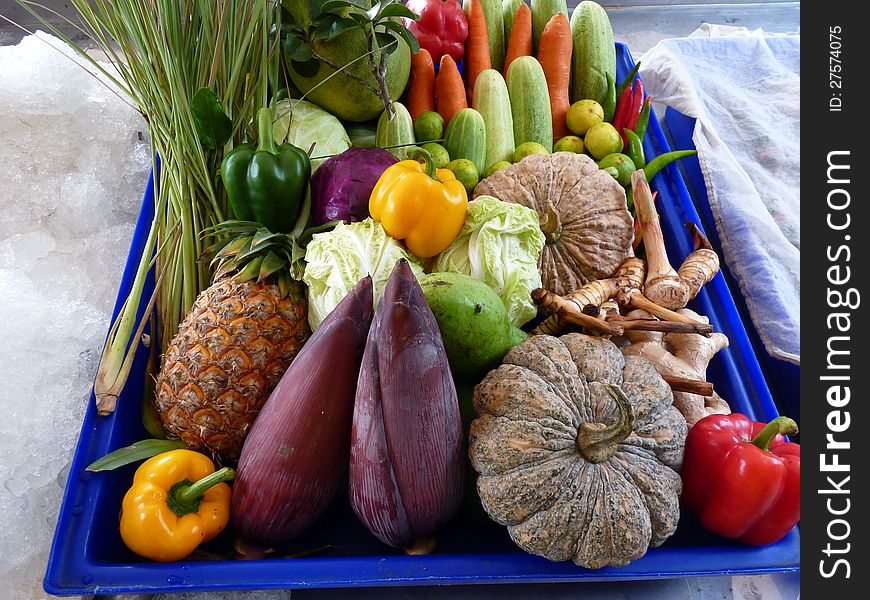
442,27
742,477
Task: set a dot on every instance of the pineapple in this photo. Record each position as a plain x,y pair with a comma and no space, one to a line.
235,342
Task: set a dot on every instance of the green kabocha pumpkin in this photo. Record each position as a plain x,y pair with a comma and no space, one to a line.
578,450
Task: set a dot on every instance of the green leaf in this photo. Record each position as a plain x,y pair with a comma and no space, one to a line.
213,126
134,452
387,41
306,68
333,5
339,27
271,264
291,44
372,13
263,236
405,34
323,25
398,10
250,270
302,54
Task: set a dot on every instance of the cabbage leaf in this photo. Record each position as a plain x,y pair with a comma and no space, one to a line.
336,260
302,124
499,244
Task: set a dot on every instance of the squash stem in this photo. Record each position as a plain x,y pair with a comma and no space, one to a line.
596,441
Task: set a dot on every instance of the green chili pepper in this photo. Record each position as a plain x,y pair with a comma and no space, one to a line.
610,100
643,119
635,149
628,79
266,184
653,167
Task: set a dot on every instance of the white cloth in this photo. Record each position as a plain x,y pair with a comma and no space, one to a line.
744,90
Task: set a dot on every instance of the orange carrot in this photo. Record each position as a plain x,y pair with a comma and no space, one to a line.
554,54
449,90
477,56
421,85
520,42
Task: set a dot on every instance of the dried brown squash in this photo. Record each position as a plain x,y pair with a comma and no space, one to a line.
578,450
583,215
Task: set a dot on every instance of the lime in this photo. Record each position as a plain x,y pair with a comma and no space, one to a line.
602,139
428,126
623,164
439,154
570,143
528,148
496,166
465,171
583,114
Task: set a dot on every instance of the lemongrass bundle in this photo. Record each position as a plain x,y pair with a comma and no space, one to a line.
164,52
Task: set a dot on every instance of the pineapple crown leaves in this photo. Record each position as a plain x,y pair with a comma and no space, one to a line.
247,251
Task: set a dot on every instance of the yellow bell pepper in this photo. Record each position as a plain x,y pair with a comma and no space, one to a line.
420,204
176,502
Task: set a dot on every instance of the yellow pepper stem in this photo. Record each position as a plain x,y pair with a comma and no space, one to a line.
186,496
423,155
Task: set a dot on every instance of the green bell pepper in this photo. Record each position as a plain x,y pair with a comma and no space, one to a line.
267,184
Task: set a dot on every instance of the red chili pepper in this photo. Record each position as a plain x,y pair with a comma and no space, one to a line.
634,110
742,478
442,27
623,105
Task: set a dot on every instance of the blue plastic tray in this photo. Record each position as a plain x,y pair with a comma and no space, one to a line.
88,557
783,376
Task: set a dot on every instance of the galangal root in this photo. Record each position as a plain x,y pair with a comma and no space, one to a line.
682,355
664,286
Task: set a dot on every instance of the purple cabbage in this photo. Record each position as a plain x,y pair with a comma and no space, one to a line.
341,186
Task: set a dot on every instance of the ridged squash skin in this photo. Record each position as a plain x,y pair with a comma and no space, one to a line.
492,101
466,137
396,132
530,102
594,55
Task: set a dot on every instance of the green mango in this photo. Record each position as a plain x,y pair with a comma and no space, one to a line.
473,321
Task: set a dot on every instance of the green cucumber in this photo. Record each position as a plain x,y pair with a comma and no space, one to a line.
491,100
466,137
396,132
492,13
593,60
509,12
542,12
530,102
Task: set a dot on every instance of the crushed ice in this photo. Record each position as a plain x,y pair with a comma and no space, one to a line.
75,162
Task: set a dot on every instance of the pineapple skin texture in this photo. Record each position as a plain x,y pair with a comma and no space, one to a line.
230,351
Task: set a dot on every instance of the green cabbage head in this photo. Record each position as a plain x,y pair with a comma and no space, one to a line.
336,260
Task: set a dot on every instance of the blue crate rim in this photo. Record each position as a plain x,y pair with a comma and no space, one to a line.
97,436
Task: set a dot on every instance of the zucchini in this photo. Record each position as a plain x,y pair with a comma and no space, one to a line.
542,12
492,13
491,100
530,102
466,137
594,54
398,132
509,12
